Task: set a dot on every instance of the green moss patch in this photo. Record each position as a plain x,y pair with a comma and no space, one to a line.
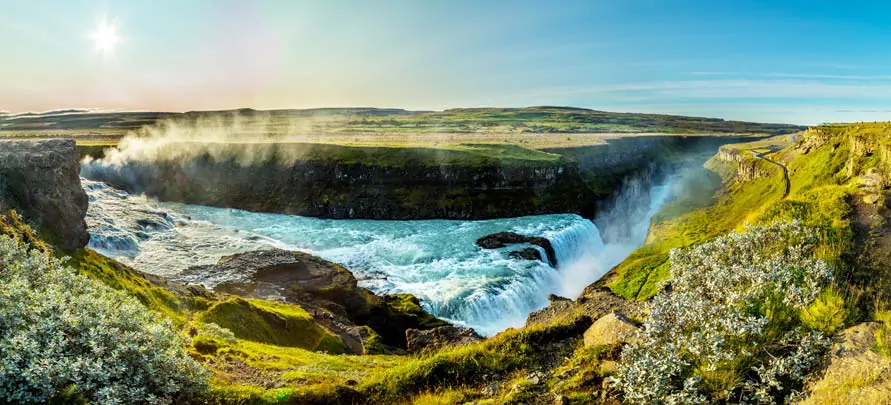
272,323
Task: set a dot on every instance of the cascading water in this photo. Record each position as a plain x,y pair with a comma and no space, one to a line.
436,260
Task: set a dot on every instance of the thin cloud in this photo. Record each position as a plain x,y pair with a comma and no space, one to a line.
792,75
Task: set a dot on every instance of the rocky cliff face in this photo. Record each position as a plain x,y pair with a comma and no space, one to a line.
40,180
748,167
328,291
373,183
340,190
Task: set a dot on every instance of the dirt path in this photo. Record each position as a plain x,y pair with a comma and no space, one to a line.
782,166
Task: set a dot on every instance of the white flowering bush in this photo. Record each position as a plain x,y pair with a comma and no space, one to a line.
728,327
60,331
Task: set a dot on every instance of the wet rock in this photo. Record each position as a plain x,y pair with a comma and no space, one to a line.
321,287
610,329
526,254
502,239
421,340
552,298
40,179
278,274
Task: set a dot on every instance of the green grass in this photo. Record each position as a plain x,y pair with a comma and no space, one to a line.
176,306
542,119
818,198
509,351
272,323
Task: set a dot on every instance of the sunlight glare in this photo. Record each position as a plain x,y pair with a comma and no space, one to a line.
105,37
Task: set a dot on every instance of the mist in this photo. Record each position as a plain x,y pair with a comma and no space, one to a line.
624,223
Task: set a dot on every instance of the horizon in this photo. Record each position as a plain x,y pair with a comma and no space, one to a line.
798,62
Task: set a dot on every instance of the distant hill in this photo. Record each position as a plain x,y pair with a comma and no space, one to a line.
541,119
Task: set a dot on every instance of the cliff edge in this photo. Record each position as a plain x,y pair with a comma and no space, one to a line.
41,180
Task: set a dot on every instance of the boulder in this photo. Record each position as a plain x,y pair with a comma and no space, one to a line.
610,329
855,373
502,239
420,340
41,180
526,254
322,288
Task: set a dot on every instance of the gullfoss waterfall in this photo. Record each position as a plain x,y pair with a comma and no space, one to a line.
436,260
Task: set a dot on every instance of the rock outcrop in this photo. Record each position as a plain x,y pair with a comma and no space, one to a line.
342,182
432,339
854,373
503,239
610,329
328,291
41,180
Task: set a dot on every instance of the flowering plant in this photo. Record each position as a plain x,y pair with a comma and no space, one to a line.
727,327
61,331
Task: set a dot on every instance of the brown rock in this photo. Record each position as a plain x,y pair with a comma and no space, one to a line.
610,329
420,340
41,180
854,373
502,239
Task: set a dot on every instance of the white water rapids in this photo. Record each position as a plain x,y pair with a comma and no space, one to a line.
436,260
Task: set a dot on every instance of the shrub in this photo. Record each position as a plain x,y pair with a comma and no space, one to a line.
729,328
63,334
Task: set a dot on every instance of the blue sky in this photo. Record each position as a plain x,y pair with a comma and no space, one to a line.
782,61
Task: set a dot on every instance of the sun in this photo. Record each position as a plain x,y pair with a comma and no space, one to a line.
105,37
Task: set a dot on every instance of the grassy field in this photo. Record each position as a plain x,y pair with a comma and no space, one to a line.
536,127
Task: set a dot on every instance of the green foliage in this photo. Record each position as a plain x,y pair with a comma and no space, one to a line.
64,334
506,352
118,276
828,313
273,323
685,222
12,225
729,326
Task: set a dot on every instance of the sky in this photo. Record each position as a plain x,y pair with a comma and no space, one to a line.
792,61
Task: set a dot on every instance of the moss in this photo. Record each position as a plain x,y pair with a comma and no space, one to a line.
12,225
819,198
509,351
273,323
116,275
407,305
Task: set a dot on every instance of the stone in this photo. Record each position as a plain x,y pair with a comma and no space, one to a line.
854,372
490,390
610,329
280,274
502,239
41,180
526,254
322,288
421,340
871,198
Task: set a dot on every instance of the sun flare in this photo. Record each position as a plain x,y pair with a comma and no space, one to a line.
105,37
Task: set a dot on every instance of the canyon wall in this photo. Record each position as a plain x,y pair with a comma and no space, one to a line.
343,182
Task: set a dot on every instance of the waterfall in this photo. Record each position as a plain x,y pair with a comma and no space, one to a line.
574,241
436,260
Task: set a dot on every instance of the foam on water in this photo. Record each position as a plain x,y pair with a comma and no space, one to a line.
436,260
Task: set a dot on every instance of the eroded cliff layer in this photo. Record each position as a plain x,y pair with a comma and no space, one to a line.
330,181
344,182
40,179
